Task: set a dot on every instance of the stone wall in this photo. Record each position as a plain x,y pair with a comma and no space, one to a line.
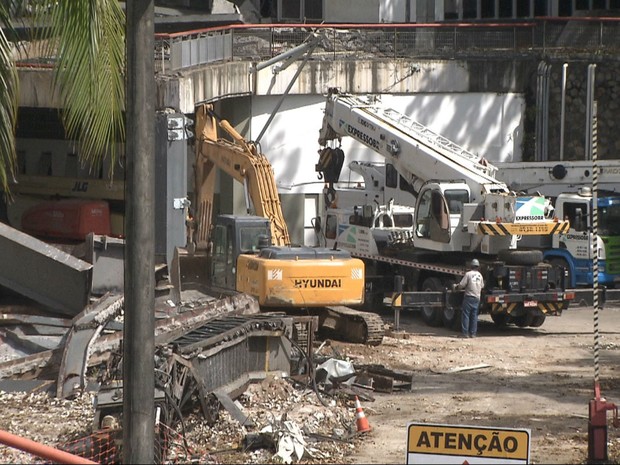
607,95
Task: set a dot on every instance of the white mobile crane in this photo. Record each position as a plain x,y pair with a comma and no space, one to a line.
462,211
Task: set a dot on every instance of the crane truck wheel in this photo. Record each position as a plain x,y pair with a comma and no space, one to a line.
451,315
538,320
524,320
432,316
500,319
520,257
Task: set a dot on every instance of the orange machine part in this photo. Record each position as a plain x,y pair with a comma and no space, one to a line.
70,219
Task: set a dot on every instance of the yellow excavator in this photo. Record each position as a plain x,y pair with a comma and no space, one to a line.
253,253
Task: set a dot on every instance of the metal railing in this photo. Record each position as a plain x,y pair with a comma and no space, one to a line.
561,37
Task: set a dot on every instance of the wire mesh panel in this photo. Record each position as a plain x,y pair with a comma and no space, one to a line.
484,41
252,44
610,35
416,42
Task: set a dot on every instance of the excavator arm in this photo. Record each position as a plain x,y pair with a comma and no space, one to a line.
242,161
289,278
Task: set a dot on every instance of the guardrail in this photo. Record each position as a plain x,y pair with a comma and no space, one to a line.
592,38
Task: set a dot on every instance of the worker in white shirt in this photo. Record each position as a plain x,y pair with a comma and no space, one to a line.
472,283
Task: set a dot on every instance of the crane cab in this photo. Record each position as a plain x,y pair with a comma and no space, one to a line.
439,216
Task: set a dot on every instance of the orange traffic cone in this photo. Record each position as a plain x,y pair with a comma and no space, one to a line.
362,422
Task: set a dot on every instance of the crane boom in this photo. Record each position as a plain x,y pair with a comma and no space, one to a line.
418,153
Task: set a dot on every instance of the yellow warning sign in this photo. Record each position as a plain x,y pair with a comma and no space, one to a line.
466,444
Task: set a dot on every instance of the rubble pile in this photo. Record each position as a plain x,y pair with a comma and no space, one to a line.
43,418
289,424
219,398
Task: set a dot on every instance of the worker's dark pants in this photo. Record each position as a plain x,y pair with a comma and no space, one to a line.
469,315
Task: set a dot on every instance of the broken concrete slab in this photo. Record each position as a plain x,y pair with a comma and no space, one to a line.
61,281
31,343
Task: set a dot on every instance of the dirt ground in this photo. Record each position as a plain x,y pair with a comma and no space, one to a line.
540,379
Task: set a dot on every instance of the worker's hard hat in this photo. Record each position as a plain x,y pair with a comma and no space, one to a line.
475,262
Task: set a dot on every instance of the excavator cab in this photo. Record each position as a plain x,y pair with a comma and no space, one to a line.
231,237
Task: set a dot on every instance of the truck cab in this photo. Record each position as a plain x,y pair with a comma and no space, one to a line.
574,251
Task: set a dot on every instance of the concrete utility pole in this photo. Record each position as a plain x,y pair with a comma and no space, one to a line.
139,326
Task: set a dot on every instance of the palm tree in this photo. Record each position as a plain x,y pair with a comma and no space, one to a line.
8,101
86,39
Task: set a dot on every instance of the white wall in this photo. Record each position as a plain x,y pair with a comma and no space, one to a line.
488,124
393,11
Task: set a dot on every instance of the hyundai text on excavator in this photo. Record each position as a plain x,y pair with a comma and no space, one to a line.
462,212
253,254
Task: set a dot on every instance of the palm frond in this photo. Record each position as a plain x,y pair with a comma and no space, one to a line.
89,41
9,94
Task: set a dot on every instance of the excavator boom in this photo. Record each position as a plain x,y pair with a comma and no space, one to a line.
243,162
232,253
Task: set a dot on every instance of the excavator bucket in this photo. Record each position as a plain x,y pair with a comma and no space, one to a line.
189,270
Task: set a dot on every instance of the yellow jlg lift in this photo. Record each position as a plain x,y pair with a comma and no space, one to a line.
253,253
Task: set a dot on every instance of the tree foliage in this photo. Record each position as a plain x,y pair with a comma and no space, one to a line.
85,42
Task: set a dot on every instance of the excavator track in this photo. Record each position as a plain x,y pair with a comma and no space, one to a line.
350,325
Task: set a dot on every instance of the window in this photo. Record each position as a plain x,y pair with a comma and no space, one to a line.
609,220
456,198
331,227
424,214
540,8
523,9
290,9
582,5
577,215
45,164
450,10
362,219
505,8
565,9
487,8
249,238
403,220
391,176
469,9
219,240
313,10
301,10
